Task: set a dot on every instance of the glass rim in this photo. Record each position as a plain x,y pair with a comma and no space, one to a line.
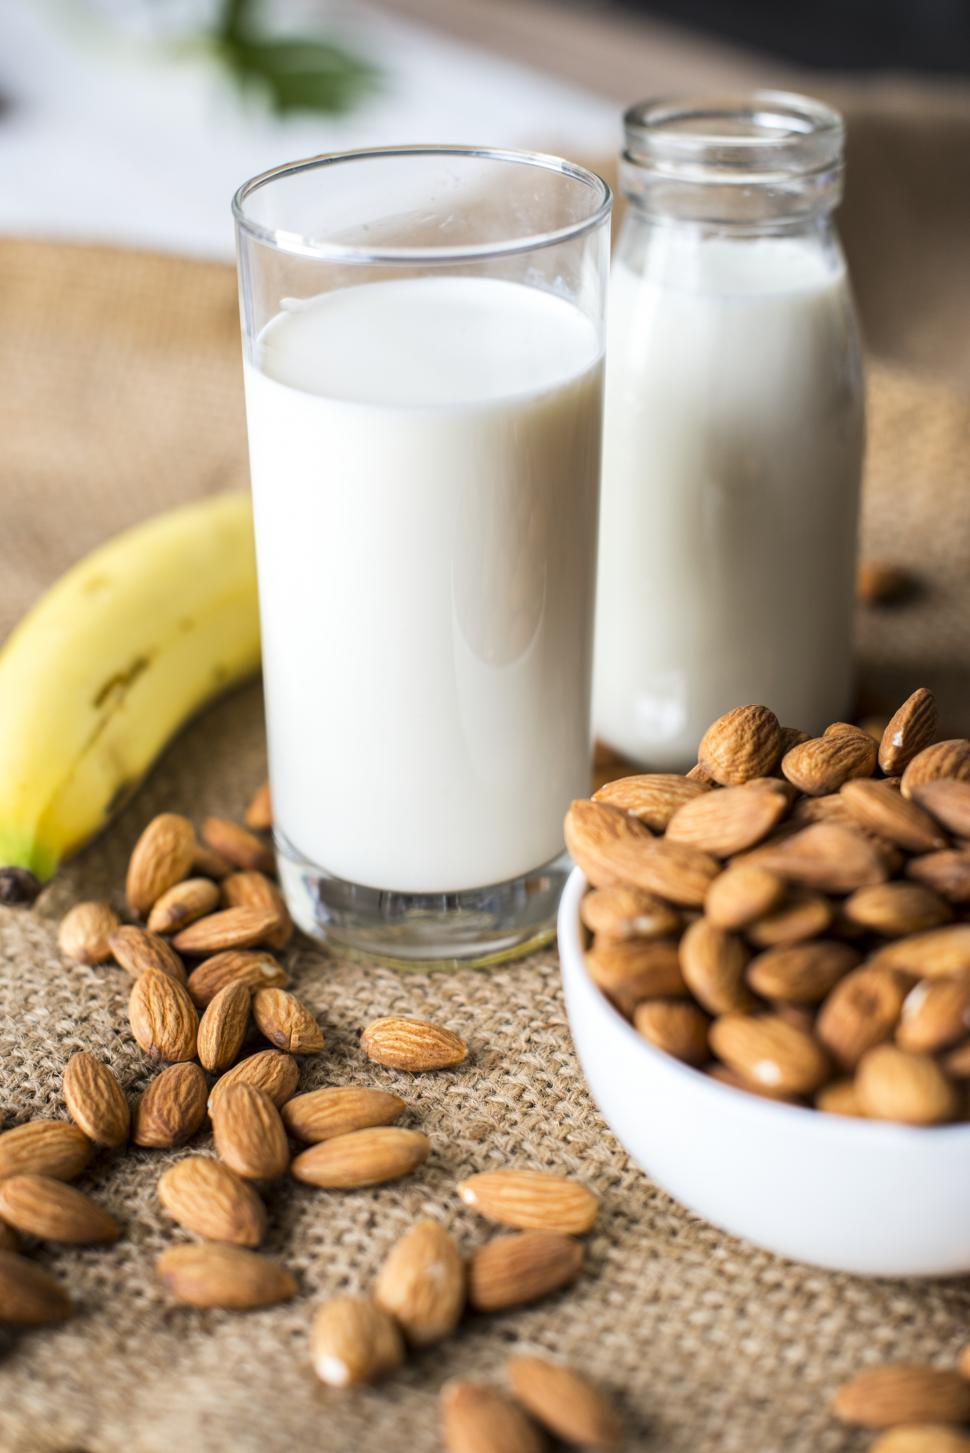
651,133
302,245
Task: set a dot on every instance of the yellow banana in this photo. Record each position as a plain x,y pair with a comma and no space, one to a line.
108,665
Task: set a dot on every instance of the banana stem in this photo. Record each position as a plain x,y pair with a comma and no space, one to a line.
18,887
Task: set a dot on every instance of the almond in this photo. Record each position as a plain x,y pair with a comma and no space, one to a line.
206,1197
137,952
824,855
207,863
742,744
255,890
948,872
362,1158
840,1098
896,909
84,932
948,801
949,760
653,797
240,847
286,1022
921,1438
713,962
511,1271
678,872
801,973
171,1108
259,813
604,841
43,1207
231,928
223,1027
629,970
162,857
95,1101
678,1028
9,1241
480,1419
936,1015
183,904
861,1011
564,1402
620,913
412,1044
729,821
741,894
339,1109
791,737
879,582
898,1393
270,1070
533,1200
422,1284
957,1064
932,955
248,1133
162,1017
29,1295
803,915
223,1276
353,1341
893,1084
881,809
249,967
909,731
702,774
822,764
767,1051
726,1076
44,1148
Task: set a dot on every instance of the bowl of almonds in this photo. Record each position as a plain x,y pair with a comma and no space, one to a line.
766,964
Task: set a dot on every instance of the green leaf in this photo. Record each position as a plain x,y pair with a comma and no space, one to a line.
299,74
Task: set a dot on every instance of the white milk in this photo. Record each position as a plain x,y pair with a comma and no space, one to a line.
733,446
425,461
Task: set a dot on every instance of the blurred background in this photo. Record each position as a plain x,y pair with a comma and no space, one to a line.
133,121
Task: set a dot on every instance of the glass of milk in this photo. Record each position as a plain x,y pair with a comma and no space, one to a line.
734,428
423,355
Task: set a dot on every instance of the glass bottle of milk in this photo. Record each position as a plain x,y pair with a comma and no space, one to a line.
734,428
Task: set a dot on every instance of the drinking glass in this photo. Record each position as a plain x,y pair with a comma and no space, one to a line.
423,358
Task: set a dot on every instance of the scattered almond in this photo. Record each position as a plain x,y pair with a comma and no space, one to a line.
209,1198
513,1270
85,930
162,857
29,1295
742,744
564,1402
921,1438
880,582
249,967
677,1027
95,1100
230,928
248,1133
240,847
412,1044
223,1276
339,1109
531,1199
893,1084
353,1341
883,1396
44,1148
362,1158
43,1207
171,1108
480,1419
422,1284
183,904
162,1017
255,890
137,952
259,813
269,1069
207,863
286,1022
909,731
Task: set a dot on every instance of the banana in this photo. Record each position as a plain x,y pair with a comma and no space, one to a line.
108,665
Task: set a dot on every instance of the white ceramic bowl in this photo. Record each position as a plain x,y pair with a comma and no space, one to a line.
853,1195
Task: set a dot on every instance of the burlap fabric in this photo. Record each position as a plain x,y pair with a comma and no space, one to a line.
119,394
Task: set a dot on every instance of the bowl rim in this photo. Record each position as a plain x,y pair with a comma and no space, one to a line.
800,1118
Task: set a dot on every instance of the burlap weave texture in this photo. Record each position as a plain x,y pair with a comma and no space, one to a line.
120,394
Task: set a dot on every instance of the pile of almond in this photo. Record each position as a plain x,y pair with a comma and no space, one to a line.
792,917
916,1408
209,1005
